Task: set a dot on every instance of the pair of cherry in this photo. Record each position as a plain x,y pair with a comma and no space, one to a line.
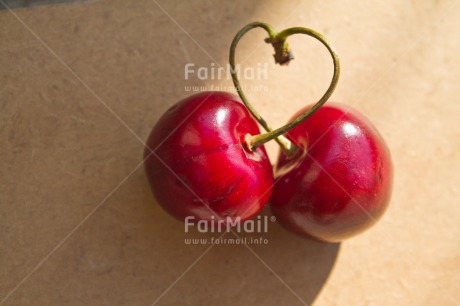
205,158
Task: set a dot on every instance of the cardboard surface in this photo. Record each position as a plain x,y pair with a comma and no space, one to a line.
81,85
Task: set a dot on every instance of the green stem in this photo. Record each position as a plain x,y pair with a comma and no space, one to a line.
282,56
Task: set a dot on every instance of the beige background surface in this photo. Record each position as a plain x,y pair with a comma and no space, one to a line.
82,84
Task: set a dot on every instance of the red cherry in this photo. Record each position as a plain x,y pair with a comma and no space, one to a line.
200,166
342,184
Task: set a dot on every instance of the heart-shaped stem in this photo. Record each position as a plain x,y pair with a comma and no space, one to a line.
282,56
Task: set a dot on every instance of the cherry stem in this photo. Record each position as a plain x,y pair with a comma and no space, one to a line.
282,56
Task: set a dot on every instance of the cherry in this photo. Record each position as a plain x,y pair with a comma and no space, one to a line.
198,164
334,175
339,184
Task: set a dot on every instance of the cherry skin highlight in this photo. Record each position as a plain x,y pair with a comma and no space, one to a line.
339,183
200,166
